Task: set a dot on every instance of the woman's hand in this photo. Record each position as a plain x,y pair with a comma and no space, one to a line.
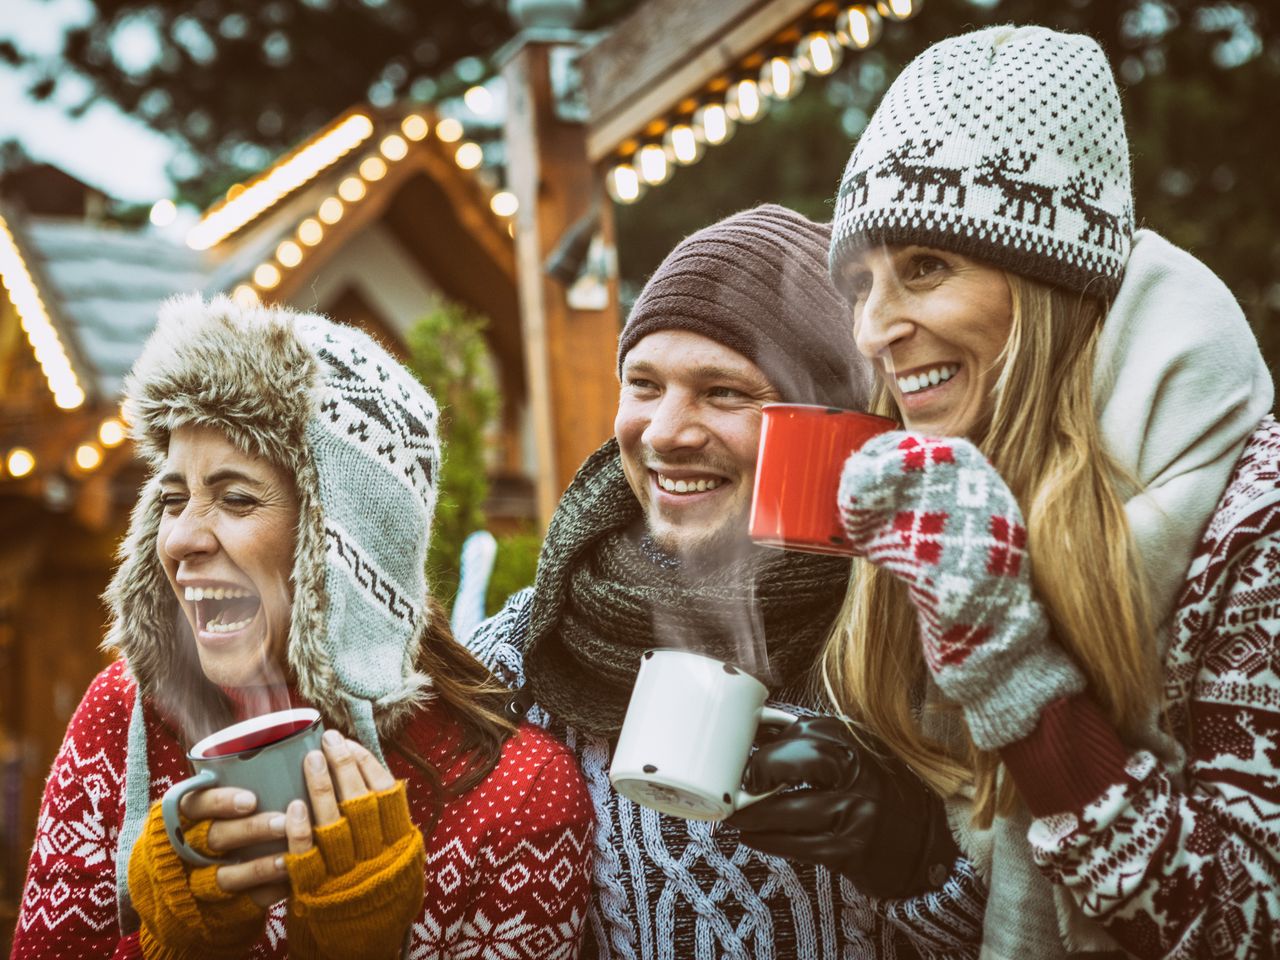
871,820
233,824
357,875
937,515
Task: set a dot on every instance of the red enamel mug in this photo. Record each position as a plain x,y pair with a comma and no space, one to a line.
803,449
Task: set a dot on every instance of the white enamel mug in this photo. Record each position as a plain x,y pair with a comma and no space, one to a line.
688,733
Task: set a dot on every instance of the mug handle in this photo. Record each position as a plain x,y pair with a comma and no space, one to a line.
772,716
173,826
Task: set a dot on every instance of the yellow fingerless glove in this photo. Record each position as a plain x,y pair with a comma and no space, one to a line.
184,912
358,889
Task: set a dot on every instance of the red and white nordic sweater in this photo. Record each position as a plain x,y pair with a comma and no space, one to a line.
1186,865
508,870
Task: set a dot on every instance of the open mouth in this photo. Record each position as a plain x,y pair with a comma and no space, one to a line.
223,609
689,484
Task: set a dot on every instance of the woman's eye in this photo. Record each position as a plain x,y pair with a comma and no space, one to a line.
924,266
239,501
859,287
173,502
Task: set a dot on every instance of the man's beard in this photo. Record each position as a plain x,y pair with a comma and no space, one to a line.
720,546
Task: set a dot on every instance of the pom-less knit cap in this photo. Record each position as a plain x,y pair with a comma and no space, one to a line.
358,434
1007,145
757,283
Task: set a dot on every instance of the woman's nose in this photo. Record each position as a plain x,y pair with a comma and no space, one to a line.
881,322
189,535
674,425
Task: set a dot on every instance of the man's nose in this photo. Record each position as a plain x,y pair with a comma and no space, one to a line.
675,424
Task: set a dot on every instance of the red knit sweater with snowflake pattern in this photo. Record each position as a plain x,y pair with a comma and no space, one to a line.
508,864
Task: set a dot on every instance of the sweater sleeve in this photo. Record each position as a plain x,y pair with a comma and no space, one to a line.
1177,865
69,900
533,878
946,921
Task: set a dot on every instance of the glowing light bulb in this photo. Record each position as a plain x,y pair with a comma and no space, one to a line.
652,162
351,189
469,156
780,78
449,130
415,127
858,27
245,296
819,53
20,462
330,211
88,456
266,276
310,232
373,168
744,102
504,203
682,144
111,432
623,183
898,9
712,124
478,100
394,147
289,254
163,213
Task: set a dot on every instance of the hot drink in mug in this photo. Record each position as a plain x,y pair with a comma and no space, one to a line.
803,449
688,733
262,755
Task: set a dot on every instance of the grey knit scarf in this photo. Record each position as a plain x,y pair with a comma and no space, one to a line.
603,595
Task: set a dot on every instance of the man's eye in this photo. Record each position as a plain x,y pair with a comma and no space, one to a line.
639,383
725,392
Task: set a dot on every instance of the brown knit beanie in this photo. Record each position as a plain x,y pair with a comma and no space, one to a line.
757,283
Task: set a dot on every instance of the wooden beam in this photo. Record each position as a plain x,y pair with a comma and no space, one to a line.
668,50
569,353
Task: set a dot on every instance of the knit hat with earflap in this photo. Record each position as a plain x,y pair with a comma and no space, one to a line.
1005,144
358,434
757,283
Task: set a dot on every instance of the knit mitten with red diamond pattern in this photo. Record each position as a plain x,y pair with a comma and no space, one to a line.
938,516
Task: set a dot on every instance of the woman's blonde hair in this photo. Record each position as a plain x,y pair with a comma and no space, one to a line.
1042,436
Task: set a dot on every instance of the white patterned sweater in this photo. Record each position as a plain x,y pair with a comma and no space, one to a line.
671,889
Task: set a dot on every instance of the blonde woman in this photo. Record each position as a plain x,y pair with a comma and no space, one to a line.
1066,623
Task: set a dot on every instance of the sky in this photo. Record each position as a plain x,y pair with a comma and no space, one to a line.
104,148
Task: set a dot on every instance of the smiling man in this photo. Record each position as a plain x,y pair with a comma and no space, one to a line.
649,548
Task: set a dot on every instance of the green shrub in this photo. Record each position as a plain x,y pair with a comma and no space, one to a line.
514,567
447,352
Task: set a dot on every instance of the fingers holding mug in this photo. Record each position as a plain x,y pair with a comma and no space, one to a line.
346,771
320,789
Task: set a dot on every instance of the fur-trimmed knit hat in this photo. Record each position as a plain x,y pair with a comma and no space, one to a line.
1005,144
359,434
757,283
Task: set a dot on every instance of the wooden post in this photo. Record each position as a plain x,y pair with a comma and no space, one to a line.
569,354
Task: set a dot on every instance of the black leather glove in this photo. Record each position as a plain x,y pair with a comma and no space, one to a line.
872,820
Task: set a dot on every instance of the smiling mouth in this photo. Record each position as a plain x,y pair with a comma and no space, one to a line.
688,485
925,379
223,609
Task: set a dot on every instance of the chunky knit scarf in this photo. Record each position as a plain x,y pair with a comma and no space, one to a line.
604,594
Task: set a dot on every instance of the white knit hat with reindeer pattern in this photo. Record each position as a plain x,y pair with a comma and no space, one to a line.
1004,144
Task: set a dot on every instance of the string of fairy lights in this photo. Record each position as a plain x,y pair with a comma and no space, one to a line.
245,203
677,140
682,139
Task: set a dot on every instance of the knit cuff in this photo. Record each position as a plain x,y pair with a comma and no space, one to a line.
393,813
1070,759
1004,701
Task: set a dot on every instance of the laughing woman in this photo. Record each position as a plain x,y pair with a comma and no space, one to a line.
1066,624
275,558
